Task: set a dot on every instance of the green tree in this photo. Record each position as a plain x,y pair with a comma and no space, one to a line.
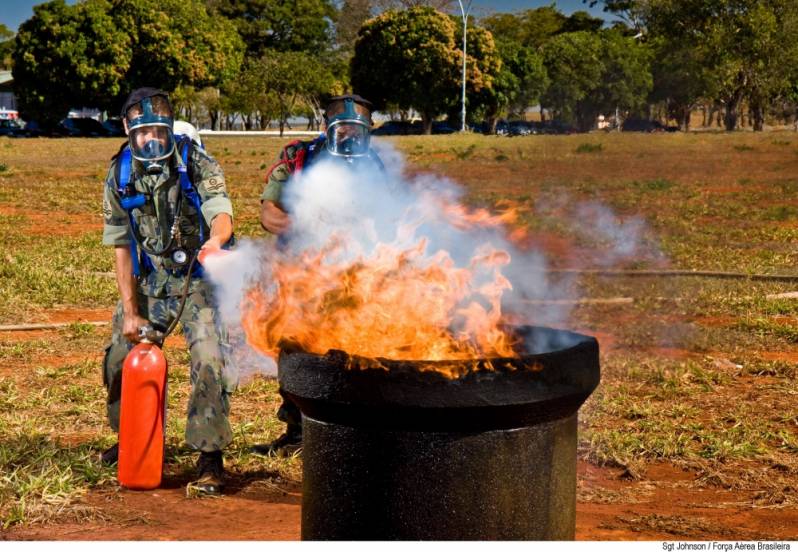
177,42
284,25
103,49
440,5
520,83
530,28
593,73
350,18
581,21
739,50
185,101
80,45
681,79
6,46
574,65
626,81
294,78
411,59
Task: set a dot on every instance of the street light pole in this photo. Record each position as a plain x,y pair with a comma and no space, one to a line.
465,12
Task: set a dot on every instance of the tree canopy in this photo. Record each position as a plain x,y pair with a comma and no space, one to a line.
6,46
283,25
103,49
411,58
255,60
81,45
593,73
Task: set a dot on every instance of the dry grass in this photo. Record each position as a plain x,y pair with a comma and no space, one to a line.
689,372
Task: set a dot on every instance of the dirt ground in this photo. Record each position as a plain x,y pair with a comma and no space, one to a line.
664,502
609,508
668,495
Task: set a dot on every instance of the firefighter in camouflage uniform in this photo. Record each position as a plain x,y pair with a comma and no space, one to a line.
346,138
164,200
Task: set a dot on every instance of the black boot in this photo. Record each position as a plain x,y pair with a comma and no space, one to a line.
287,444
110,456
210,471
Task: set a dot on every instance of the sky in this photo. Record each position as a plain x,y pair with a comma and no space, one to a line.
14,12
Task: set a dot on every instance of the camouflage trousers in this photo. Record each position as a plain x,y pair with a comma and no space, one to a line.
208,427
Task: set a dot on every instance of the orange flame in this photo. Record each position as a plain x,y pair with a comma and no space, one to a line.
396,303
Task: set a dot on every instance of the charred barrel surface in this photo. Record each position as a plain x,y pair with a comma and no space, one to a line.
396,450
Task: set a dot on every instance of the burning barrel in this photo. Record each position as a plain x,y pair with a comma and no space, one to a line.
473,449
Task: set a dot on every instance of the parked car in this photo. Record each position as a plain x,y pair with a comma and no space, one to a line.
645,125
11,127
114,127
442,127
519,128
556,127
83,127
394,128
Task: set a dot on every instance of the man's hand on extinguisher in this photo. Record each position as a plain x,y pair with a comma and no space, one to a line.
131,324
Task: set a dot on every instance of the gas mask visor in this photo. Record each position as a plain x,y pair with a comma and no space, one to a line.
349,138
150,126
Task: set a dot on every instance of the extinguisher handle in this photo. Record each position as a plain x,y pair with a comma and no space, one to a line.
148,334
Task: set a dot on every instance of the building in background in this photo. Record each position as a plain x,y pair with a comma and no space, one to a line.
8,102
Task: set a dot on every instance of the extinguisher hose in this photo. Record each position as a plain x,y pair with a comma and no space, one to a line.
183,297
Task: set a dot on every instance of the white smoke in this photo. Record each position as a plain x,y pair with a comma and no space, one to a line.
367,207
232,274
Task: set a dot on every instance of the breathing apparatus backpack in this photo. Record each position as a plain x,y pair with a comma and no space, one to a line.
131,199
298,154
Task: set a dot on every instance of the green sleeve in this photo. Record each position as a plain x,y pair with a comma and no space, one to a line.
273,191
209,180
115,218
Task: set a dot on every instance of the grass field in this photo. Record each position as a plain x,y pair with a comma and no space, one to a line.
692,433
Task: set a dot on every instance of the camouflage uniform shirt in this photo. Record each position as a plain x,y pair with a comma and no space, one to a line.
154,218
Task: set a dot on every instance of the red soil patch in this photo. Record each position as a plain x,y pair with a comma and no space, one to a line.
726,189
666,504
38,223
56,316
257,512
787,356
69,315
716,321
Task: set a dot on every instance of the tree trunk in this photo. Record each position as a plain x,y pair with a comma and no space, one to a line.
732,107
684,120
758,116
491,121
585,119
426,123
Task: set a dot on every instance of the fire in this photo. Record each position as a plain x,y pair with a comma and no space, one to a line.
397,301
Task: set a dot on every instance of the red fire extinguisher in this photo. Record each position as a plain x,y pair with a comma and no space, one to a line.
142,416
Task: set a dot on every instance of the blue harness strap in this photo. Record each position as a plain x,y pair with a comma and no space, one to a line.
187,186
130,202
191,193
313,148
133,201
